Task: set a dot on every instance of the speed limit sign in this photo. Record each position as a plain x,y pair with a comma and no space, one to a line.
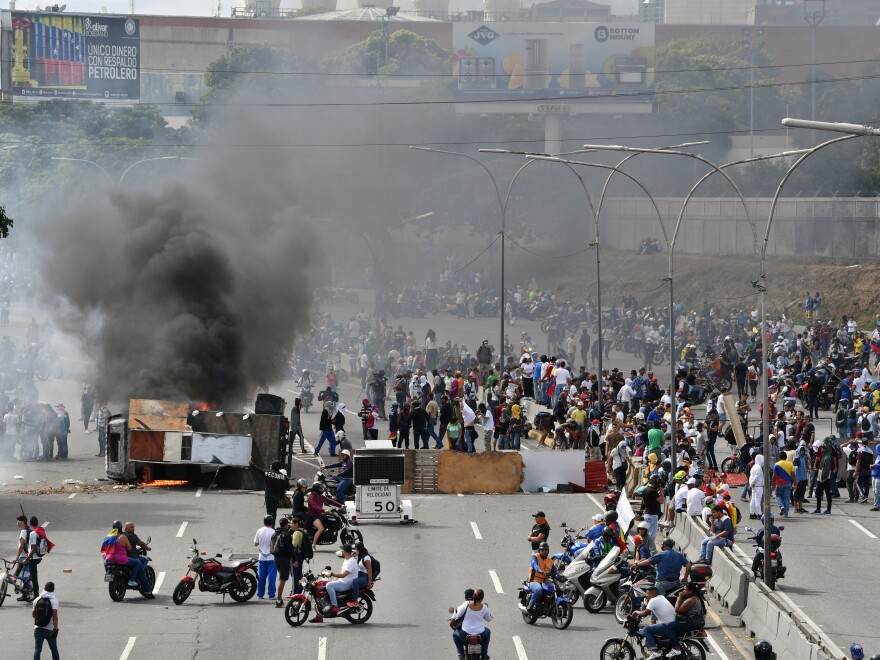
378,501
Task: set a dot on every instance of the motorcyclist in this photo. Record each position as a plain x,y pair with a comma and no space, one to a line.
759,540
315,503
135,542
116,548
669,563
541,569
345,474
611,521
595,531
300,506
601,547
305,380
476,615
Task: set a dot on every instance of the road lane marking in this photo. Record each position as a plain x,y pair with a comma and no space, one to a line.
476,531
181,530
496,581
715,645
199,492
322,648
158,584
128,648
520,651
461,494
864,529
71,496
596,502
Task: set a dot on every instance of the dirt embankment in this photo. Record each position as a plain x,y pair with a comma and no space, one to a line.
726,281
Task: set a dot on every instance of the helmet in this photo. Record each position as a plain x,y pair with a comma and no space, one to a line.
611,498
305,372
117,524
762,518
318,487
611,517
637,539
764,650
876,656
654,480
544,546
269,520
302,483
607,533
856,651
643,525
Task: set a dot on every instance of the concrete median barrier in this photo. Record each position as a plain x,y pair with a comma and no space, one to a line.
492,472
729,583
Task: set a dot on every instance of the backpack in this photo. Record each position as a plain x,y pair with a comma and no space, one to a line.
276,544
305,550
853,458
377,567
42,612
866,424
841,416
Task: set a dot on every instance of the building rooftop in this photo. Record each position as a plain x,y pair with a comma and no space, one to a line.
366,14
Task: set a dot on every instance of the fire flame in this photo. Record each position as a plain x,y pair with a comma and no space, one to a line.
205,406
163,483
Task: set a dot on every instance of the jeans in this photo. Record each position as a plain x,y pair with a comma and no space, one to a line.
438,444
502,441
469,438
342,487
266,571
326,435
665,586
823,487
834,489
676,628
710,455
537,589
783,498
650,631
876,483
708,545
513,440
459,636
42,635
652,521
136,566
338,585
420,434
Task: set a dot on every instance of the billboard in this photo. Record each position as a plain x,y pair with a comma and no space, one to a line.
75,56
553,61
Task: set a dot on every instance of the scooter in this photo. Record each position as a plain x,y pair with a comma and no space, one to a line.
238,580
577,575
775,556
605,581
551,603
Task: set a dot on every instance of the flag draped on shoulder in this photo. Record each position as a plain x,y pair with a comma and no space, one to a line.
109,544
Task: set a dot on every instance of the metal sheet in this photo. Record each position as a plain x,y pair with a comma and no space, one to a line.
735,420
157,415
221,449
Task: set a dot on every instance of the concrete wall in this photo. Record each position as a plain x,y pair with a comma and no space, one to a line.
828,229
493,472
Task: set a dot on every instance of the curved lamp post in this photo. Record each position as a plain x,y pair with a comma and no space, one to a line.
126,171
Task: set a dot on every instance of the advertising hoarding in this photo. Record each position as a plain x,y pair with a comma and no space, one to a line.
553,61
75,56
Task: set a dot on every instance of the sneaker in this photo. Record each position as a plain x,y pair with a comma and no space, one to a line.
351,603
317,619
149,596
279,603
817,511
673,653
23,599
864,500
654,655
873,508
334,610
827,513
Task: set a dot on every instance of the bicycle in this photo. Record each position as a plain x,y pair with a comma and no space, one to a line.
21,584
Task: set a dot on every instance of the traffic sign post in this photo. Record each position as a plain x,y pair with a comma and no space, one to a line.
378,476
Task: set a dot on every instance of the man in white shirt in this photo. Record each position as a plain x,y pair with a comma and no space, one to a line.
696,498
345,577
266,570
625,396
563,378
664,612
49,631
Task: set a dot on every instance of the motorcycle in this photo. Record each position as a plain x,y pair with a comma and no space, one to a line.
693,644
605,581
337,526
331,482
307,398
118,576
775,556
314,594
473,647
572,543
551,603
238,580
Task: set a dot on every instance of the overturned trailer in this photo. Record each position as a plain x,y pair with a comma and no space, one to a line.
169,440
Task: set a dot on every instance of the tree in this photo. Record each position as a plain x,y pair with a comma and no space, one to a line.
408,54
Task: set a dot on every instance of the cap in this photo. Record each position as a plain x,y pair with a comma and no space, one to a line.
642,525
598,517
468,594
540,514
346,452
346,548
691,482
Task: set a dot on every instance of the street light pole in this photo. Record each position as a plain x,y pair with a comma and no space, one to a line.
502,205
118,183
852,130
748,45
813,18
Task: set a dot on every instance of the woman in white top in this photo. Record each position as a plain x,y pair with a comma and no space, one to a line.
476,615
430,350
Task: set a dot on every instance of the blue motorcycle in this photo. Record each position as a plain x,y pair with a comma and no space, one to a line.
572,543
551,603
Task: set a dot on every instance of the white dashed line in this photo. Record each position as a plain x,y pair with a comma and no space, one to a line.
199,492
496,581
476,529
461,494
864,529
715,645
181,530
128,648
596,502
322,648
158,584
71,496
520,651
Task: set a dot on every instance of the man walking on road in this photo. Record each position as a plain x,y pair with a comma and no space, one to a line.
46,630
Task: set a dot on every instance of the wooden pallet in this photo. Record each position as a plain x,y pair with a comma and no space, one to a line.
425,472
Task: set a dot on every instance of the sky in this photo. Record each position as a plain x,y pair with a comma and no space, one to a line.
209,7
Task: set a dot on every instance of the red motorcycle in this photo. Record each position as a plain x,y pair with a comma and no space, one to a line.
238,580
355,610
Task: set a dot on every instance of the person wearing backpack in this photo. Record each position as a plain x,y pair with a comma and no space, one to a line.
368,568
28,555
281,546
301,543
45,613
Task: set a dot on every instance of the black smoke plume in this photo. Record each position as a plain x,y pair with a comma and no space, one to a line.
192,285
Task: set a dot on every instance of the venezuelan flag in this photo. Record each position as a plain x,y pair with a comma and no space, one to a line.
875,347
109,543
